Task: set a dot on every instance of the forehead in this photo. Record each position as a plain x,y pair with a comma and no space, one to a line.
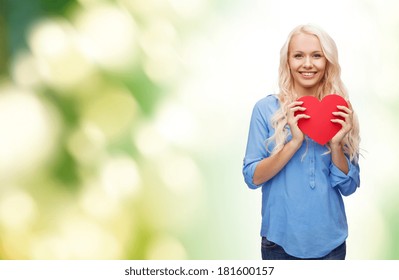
304,43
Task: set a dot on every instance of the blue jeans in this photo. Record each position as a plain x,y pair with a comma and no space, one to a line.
272,251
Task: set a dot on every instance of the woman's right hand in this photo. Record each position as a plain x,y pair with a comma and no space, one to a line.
297,135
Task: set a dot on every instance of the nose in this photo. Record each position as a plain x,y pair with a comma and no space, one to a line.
307,62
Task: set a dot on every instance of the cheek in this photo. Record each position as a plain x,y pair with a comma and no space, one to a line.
293,65
321,65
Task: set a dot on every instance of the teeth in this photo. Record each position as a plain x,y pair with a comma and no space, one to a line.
308,74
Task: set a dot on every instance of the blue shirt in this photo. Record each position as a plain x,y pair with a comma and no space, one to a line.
302,206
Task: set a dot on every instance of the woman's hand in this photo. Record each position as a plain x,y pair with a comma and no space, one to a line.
297,135
347,124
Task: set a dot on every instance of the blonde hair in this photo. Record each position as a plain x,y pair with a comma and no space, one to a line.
330,84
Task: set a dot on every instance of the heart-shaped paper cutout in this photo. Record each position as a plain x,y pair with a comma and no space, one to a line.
319,126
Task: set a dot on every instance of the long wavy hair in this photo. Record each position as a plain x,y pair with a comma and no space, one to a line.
330,84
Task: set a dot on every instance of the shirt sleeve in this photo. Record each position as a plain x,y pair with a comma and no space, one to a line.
346,183
256,145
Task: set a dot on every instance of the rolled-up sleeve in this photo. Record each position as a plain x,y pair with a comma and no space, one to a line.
256,145
346,183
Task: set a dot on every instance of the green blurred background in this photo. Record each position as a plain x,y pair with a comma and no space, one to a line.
123,124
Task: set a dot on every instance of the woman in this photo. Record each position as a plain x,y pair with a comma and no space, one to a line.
303,214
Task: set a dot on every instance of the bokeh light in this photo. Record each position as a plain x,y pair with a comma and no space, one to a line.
29,132
108,34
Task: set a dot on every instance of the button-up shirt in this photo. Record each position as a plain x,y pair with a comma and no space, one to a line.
302,205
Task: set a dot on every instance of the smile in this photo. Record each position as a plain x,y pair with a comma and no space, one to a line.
308,74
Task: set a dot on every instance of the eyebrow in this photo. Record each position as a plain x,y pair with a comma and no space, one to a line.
311,52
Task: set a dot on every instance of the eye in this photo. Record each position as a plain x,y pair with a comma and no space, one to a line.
317,55
298,55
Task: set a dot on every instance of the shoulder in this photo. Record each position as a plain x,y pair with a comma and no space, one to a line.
268,104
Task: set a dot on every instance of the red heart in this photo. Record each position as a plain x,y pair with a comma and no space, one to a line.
319,126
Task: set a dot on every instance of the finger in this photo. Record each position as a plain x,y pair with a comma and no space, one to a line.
343,123
340,114
339,121
301,116
296,109
295,103
344,108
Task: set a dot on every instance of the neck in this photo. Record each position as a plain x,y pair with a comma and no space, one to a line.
305,91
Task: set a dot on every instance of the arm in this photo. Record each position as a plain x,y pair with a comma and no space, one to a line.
338,158
337,153
256,148
344,173
259,166
270,166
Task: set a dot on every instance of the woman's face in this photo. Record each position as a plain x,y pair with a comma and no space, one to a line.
307,63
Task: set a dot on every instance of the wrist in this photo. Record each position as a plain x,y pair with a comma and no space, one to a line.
336,146
295,143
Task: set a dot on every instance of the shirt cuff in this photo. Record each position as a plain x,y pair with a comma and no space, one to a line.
347,183
248,172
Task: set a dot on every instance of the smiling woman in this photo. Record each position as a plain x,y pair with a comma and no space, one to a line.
302,181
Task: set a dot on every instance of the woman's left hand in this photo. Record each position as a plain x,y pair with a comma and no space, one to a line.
347,123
